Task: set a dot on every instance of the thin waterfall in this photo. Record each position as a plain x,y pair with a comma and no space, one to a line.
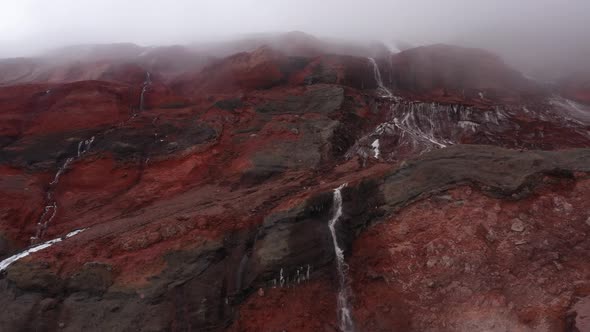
146,84
414,127
50,210
60,171
344,312
409,125
380,87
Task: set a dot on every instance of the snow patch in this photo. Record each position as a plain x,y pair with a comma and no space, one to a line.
375,146
8,261
465,124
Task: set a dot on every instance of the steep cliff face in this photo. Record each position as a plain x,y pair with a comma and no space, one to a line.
152,198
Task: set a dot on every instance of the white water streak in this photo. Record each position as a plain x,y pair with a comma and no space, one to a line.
60,171
146,84
375,146
344,311
574,111
417,134
51,204
381,87
8,261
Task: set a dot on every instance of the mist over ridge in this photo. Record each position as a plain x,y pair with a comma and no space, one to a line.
543,38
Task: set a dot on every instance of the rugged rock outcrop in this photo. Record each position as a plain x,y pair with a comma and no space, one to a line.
201,199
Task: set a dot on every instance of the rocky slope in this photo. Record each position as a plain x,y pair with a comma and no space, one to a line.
577,87
199,195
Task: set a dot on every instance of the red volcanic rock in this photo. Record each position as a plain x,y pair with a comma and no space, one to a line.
260,69
160,96
125,73
17,71
350,71
75,106
77,71
42,71
21,199
117,63
88,185
463,261
283,309
276,64
17,102
203,201
444,71
173,61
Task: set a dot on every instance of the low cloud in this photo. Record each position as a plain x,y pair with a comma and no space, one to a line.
538,36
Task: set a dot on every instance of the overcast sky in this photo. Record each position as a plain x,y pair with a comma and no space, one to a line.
543,27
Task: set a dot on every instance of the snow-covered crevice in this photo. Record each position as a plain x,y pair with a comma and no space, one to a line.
376,151
369,146
344,311
412,128
571,111
439,126
8,261
469,125
415,127
422,128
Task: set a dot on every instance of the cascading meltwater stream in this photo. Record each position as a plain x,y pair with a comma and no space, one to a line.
50,210
380,87
51,206
344,312
146,84
417,127
144,90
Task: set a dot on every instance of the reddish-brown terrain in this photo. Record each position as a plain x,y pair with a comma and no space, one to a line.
577,87
203,190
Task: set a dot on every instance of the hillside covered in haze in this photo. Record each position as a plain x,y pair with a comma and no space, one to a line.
290,183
